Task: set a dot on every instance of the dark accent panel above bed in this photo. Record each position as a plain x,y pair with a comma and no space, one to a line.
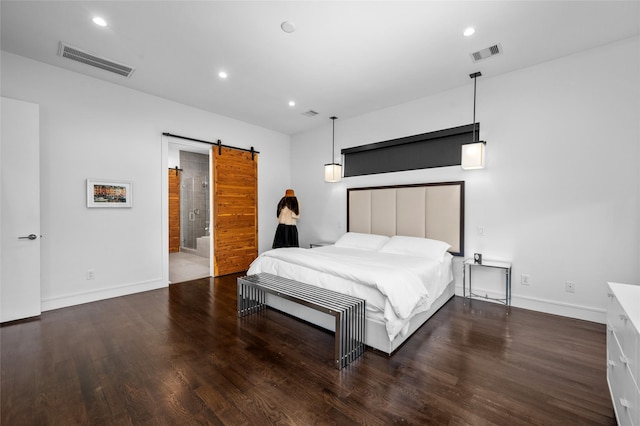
427,210
427,150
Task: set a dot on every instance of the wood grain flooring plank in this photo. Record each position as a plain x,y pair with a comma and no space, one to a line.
181,355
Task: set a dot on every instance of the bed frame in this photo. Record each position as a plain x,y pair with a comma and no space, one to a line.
429,210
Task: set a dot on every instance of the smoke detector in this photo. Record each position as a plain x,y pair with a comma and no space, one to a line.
88,58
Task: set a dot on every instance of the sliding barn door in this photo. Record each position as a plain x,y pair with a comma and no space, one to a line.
174,211
235,210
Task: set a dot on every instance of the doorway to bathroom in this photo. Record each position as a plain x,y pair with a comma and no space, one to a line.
189,212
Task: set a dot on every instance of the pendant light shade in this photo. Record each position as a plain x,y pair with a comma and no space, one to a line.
333,170
473,156
473,153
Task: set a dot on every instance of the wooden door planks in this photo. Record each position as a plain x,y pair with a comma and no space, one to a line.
235,211
174,211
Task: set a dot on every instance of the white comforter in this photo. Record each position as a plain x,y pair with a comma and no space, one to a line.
395,286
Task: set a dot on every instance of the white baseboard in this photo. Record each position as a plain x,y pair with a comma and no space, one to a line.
553,307
586,313
100,294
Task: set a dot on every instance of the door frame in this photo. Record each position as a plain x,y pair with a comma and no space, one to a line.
199,147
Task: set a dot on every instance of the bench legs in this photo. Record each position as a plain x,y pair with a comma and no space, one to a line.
250,299
349,321
349,338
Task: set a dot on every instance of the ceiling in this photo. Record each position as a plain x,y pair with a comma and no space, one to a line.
345,58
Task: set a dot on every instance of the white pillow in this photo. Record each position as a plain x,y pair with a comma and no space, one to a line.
416,246
360,241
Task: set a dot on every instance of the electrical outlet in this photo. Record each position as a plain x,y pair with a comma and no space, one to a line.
480,231
525,279
570,286
91,274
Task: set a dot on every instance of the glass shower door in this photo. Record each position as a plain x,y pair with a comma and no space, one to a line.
194,211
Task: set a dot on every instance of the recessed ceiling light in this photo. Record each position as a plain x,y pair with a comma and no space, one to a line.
99,21
468,32
288,27
222,74
292,103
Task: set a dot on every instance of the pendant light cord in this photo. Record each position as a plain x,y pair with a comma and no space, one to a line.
474,76
333,139
474,108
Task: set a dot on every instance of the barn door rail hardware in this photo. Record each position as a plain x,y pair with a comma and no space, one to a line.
218,143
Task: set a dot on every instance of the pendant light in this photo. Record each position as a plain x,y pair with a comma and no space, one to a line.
473,153
333,170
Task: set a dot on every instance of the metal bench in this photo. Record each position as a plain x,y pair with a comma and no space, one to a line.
349,311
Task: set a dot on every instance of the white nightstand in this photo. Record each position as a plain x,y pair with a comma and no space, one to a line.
470,264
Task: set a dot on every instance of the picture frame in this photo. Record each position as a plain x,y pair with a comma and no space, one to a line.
109,193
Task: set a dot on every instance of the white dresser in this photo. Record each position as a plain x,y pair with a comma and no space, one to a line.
623,351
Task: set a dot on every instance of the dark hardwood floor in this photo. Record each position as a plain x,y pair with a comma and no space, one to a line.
180,356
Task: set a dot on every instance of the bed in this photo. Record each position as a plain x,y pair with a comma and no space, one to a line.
397,254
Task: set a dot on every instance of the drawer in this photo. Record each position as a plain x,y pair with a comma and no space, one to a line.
627,335
624,390
634,410
628,405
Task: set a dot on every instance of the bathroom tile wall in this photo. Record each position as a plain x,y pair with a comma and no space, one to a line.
194,199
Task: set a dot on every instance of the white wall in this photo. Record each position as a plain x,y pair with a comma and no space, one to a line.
94,129
559,196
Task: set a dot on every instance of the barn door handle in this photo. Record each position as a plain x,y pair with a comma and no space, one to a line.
29,237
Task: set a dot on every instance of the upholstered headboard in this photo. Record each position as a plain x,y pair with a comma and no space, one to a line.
429,210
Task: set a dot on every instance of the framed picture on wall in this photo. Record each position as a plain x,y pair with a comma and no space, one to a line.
108,193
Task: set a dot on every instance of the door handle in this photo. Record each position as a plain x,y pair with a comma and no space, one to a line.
29,237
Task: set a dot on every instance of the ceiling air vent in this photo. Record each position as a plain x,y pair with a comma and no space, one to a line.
87,58
310,113
494,50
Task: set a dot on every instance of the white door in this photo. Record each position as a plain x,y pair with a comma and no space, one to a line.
19,210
